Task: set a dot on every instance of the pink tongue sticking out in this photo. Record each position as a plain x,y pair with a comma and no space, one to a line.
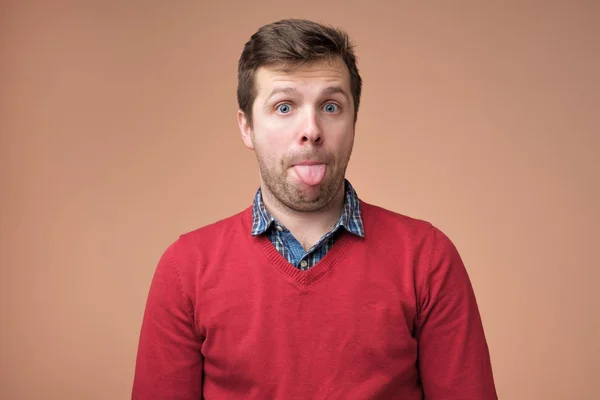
310,174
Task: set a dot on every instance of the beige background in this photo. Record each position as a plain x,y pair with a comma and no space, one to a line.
118,132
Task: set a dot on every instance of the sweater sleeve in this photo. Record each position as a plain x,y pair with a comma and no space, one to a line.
169,362
454,360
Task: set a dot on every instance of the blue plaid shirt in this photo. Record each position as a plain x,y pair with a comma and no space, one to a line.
264,223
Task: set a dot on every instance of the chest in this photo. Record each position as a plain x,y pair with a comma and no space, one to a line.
353,316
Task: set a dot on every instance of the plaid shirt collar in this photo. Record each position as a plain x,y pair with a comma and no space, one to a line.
351,218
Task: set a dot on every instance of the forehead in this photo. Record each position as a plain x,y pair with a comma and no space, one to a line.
308,77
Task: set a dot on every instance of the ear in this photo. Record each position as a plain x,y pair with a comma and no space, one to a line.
245,129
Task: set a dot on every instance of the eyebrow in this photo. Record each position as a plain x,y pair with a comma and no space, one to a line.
336,89
285,90
292,91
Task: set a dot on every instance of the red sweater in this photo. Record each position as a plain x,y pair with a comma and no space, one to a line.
388,316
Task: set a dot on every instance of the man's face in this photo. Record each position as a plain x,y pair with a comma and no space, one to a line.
302,133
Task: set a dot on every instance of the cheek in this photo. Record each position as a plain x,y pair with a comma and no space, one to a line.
270,146
340,135
274,138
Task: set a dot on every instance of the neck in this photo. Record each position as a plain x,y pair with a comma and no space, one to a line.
307,227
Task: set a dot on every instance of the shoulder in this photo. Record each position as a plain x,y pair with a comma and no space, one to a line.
432,253
380,218
204,242
401,227
222,228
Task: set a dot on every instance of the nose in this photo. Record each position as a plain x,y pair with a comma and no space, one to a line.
311,129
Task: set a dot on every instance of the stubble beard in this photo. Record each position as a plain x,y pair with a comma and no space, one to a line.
296,199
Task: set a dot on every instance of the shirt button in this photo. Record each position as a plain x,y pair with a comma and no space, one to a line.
303,263
279,228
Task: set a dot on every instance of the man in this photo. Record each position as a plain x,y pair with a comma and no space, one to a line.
310,292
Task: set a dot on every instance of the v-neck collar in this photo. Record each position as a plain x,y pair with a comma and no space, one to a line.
303,279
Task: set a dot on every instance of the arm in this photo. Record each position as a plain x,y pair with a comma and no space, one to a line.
169,362
454,359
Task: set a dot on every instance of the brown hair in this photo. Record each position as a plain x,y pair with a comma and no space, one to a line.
289,43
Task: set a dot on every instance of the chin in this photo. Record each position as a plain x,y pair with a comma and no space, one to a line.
301,189
309,198
306,206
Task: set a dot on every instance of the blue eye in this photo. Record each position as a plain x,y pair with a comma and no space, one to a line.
284,108
331,108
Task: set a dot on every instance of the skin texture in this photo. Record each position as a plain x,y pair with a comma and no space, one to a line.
305,115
